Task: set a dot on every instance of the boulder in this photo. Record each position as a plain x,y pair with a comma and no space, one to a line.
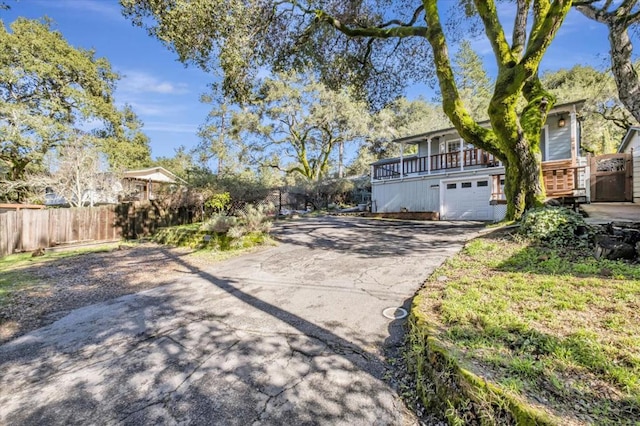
609,247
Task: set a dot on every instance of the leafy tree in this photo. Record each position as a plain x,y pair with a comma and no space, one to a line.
47,88
298,119
217,136
124,143
472,80
384,45
181,164
398,119
619,17
604,118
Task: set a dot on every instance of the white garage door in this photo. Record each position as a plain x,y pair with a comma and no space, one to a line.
466,199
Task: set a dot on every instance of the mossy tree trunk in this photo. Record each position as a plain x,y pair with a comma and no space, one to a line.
514,137
294,29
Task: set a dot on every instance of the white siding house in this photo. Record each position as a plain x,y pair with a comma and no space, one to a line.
461,182
631,144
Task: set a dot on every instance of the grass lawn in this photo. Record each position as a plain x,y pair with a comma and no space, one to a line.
555,329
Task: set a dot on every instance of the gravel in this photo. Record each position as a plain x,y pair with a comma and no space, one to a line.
62,285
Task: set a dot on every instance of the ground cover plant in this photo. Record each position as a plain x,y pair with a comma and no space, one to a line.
221,232
529,332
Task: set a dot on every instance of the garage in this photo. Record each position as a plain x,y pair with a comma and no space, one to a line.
466,199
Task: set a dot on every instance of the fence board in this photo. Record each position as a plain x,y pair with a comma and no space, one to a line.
27,230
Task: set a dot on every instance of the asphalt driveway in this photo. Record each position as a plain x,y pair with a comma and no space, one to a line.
292,334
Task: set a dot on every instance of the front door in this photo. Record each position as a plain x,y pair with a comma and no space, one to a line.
611,178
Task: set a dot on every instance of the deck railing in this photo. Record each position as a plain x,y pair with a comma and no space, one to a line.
434,163
560,180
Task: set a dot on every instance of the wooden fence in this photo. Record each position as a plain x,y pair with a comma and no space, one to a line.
27,230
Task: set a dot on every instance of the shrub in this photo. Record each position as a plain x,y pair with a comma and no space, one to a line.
252,221
219,202
219,223
554,226
256,219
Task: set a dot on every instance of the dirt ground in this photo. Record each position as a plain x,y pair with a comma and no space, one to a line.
65,284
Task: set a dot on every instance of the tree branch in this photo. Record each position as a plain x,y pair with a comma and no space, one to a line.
520,28
489,16
374,32
416,15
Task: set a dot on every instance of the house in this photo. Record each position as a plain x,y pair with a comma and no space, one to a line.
461,182
135,185
146,184
631,146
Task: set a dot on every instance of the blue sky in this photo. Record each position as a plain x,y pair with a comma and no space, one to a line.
165,94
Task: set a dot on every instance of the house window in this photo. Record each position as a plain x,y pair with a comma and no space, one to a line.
453,146
482,183
451,186
465,185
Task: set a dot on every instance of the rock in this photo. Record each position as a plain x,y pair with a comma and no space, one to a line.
608,247
629,236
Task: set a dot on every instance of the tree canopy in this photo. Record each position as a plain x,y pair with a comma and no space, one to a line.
379,46
50,91
46,86
620,17
294,123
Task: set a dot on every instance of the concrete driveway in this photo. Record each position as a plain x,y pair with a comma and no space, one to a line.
292,334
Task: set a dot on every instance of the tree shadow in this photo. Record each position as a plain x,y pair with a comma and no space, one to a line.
64,284
185,353
370,237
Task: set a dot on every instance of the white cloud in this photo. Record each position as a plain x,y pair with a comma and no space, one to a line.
143,82
161,126
106,9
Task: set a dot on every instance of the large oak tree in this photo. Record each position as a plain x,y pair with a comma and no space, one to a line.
379,45
49,90
619,17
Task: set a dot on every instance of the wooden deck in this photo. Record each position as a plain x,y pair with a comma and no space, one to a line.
562,180
396,168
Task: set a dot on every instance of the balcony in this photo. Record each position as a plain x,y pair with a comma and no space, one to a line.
562,180
438,163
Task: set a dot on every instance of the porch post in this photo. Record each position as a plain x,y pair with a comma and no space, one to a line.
428,156
401,160
574,136
461,155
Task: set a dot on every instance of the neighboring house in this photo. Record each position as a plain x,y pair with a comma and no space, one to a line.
138,185
146,184
461,182
631,145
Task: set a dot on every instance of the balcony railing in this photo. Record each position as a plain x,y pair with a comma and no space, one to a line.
434,163
561,180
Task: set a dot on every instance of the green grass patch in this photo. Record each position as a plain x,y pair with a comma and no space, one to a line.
547,328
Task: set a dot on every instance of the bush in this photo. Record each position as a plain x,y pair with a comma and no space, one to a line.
252,221
554,226
219,223
220,202
256,219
